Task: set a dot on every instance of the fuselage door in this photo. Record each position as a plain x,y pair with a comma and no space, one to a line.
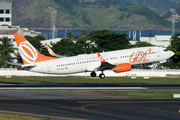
48,67
158,52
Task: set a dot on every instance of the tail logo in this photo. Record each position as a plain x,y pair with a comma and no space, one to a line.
28,52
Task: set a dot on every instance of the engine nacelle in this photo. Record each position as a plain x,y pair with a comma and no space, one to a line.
122,67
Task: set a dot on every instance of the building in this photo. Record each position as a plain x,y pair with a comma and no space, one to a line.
5,12
8,31
158,40
6,28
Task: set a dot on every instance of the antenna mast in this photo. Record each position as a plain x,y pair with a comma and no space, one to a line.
53,20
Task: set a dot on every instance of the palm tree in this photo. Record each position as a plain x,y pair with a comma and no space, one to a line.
6,47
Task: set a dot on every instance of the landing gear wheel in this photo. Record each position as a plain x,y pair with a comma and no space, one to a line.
93,74
102,76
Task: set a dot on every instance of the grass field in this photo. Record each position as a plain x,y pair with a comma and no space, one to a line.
156,95
57,80
17,117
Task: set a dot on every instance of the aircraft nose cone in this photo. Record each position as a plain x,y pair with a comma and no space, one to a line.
171,53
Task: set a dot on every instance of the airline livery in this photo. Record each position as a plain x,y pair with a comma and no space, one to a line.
117,61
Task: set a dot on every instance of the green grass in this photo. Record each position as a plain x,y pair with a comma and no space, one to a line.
157,95
56,80
17,117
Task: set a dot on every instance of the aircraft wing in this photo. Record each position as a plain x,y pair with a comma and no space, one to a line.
52,53
104,65
116,68
22,64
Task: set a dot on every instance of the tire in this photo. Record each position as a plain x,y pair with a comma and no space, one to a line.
102,76
93,74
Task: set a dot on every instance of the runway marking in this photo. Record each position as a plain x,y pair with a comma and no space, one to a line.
83,107
73,88
39,115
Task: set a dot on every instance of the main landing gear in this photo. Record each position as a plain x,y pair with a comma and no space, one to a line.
102,75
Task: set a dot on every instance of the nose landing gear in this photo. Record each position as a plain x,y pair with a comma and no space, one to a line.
93,74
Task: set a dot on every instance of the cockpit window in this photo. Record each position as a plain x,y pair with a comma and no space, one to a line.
165,50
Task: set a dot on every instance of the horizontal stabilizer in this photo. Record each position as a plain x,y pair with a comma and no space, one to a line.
17,64
29,65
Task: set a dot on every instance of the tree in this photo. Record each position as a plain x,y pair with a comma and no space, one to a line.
175,47
6,49
63,47
83,46
66,46
40,37
69,35
35,41
83,33
141,44
84,43
108,41
151,35
44,51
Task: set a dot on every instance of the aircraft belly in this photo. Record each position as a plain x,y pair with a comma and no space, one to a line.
68,70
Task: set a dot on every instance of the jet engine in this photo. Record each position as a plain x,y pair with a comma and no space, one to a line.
122,68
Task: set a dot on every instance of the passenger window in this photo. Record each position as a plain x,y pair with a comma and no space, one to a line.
165,50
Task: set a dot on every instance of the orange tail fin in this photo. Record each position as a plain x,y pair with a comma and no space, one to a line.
28,52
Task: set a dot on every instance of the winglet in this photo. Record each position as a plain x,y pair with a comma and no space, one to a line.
101,58
50,51
28,52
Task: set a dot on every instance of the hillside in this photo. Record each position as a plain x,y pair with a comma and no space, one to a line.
168,16
157,6
34,14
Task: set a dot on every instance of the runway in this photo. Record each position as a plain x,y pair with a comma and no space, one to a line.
147,87
86,104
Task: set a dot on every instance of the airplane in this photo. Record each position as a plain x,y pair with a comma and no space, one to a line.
54,54
117,61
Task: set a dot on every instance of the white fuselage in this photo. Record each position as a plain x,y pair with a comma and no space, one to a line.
90,62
